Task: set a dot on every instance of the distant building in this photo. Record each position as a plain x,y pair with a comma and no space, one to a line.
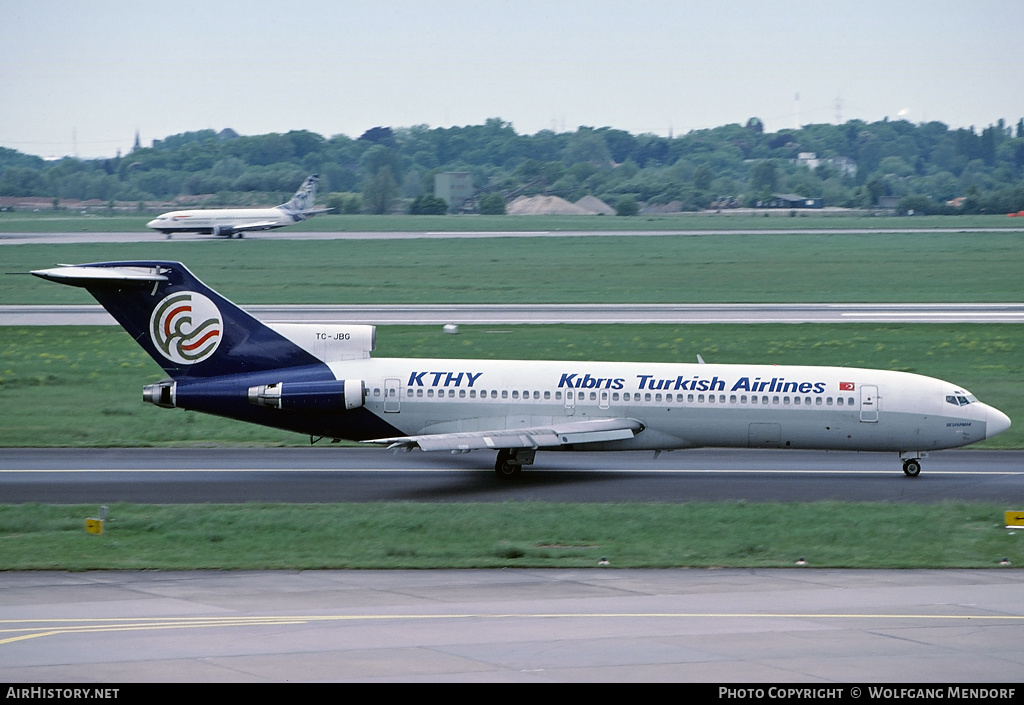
807,159
791,200
455,187
844,165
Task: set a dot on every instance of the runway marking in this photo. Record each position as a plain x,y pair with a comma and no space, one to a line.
91,626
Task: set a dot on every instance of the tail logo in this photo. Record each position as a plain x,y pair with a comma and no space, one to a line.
186,327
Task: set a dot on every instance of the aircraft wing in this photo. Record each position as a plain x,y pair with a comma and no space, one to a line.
555,434
260,225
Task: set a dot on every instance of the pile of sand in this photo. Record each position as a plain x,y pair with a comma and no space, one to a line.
542,205
594,205
553,205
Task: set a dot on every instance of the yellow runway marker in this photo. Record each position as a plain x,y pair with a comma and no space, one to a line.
21,630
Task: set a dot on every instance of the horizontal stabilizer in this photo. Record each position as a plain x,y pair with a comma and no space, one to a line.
91,276
556,434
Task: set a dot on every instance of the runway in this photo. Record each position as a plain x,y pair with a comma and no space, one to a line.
513,314
61,238
334,474
830,629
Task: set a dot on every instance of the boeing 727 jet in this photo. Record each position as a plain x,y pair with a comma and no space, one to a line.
235,222
321,380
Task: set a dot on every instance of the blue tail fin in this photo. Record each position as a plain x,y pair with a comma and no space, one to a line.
189,329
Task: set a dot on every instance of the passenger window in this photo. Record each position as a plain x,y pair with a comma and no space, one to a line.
700,398
462,393
839,401
775,400
647,397
796,401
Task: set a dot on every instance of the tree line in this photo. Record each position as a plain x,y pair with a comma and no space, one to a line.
926,167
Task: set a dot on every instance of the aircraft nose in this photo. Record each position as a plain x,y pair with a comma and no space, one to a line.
996,423
151,224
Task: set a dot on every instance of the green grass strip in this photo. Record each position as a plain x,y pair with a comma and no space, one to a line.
762,268
512,534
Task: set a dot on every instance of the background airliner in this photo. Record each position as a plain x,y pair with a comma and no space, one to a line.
234,222
320,379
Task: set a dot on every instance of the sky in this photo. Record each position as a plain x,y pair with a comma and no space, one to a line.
82,78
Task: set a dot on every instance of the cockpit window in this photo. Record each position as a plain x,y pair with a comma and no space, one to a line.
959,399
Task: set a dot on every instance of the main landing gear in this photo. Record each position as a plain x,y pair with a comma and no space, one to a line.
911,467
511,461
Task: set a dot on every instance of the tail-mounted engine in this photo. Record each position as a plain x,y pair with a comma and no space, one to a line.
309,396
324,395
161,393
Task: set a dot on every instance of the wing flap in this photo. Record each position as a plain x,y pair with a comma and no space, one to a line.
557,434
261,225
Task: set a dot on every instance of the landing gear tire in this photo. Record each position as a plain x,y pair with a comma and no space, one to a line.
911,468
504,468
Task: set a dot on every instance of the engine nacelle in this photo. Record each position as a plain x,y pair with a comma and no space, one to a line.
161,393
309,396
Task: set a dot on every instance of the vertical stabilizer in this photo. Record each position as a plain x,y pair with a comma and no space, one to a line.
304,198
189,329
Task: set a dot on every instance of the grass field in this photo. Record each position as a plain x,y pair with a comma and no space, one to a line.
768,267
513,534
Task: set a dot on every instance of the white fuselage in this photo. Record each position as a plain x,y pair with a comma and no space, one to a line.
679,405
225,219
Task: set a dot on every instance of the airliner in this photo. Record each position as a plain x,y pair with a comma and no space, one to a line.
320,379
235,222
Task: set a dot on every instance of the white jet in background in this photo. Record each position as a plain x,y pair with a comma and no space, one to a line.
234,222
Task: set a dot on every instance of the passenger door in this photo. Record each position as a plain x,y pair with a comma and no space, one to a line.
868,403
